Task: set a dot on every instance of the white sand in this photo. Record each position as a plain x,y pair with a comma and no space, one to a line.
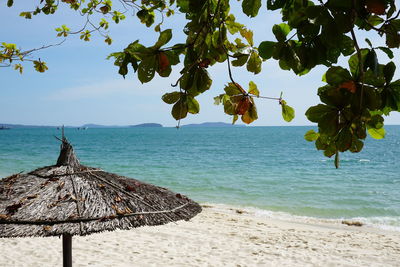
217,237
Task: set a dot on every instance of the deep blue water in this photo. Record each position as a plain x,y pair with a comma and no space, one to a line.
270,168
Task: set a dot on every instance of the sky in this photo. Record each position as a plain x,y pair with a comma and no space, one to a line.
81,86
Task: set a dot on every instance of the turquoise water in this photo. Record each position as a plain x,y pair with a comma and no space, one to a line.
269,168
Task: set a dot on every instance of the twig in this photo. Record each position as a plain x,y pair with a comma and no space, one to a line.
230,72
40,48
267,97
115,186
78,209
294,34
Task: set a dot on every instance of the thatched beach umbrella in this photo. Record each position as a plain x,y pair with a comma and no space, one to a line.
71,199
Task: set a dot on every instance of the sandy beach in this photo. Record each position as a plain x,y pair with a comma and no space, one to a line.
219,236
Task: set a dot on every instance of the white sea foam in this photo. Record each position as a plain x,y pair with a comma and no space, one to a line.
385,223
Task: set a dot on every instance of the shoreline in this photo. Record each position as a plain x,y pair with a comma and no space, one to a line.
284,217
367,222
373,222
220,235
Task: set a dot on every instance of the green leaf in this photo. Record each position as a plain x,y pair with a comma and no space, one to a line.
391,97
347,46
240,60
326,117
322,142
253,89
147,69
19,68
317,112
368,42
337,75
328,124
27,15
376,122
388,71
196,6
40,66
171,98
239,44
392,34
231,90
287,112
85,36
353,62
372,98
218,99
330,150
145,16
183,5
387,51
356,145
377,80
275,4
344,139
377,133
371,62
334,96
193,105
233,26
235,118
266,49
229,108
202,81
165,37
173,57
248,35
281,31
216,39
254,63
251,7
375,20
250,115
180,109
311,135
108,40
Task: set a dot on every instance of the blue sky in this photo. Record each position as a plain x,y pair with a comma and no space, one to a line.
81,86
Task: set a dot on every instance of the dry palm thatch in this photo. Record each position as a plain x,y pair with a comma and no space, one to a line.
69,198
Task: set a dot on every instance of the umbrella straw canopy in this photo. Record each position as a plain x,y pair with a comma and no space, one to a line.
71,199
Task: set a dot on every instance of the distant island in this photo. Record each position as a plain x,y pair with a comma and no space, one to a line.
212,124
123,126
10,126
147,125
92,125
83,127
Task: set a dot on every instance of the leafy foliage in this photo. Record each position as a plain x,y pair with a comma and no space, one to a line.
312,33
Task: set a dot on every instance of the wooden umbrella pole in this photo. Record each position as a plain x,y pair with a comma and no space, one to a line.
67,250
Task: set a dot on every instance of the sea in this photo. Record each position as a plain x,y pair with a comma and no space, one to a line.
272,171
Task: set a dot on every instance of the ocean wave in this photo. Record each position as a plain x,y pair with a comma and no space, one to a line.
347,160
390,223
